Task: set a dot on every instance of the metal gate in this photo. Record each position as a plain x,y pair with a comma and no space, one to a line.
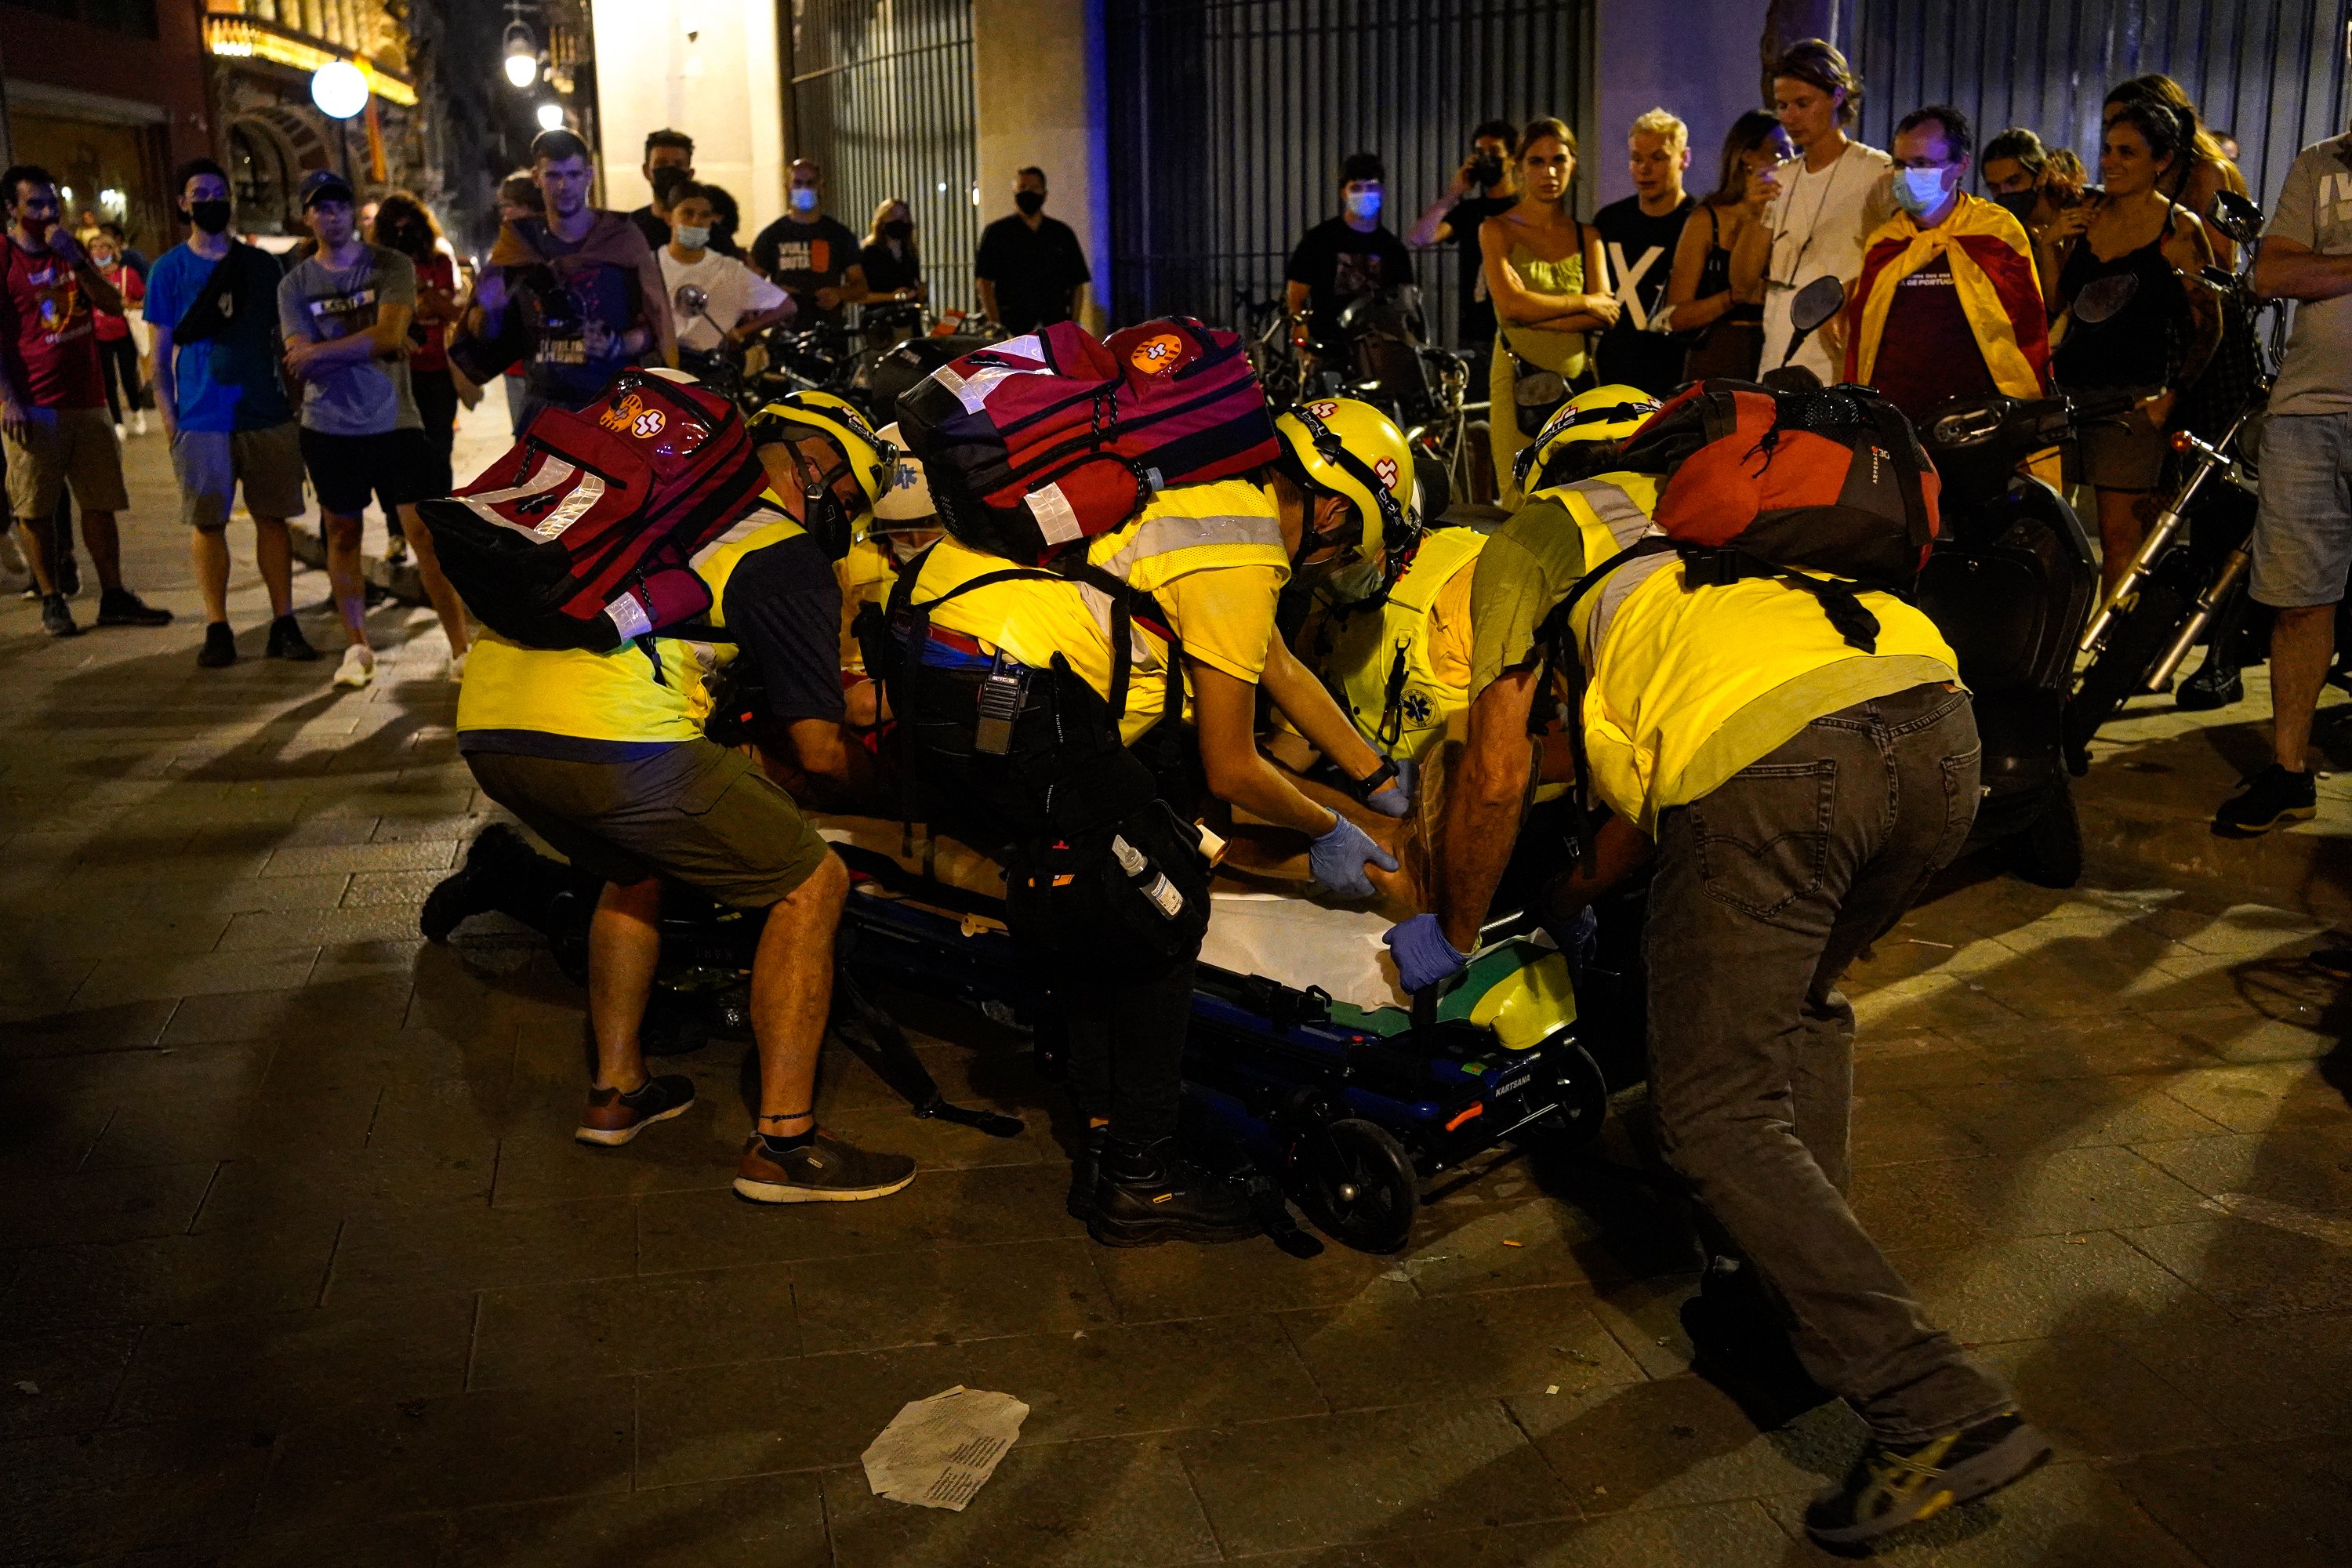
2269,71
882,97
1231,118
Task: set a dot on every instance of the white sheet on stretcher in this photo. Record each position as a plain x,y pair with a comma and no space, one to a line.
1293,939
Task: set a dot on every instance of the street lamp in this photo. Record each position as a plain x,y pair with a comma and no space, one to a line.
339,90
520,47
550,117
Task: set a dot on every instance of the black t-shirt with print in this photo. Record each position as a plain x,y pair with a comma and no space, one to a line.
1340,265
802,257
1642,247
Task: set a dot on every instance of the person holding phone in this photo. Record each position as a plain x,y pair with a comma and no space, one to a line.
1818,207
1485,187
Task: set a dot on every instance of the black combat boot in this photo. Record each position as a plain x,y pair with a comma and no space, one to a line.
1150,1192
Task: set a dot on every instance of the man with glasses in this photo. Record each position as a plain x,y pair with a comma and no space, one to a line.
1947,304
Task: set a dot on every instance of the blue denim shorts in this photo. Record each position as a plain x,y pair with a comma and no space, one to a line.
2303,540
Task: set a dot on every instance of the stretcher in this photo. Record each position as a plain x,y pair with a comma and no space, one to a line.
1319,1079
1305,1058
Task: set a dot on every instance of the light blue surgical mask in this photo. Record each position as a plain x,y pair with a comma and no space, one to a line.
1363,204
693,239
803,198
1919,191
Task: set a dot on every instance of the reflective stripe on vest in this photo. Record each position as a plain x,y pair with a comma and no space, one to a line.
1361,655
1611,520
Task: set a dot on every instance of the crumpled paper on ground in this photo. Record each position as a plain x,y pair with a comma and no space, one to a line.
938,1452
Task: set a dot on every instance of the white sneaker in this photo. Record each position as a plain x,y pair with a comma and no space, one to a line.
458,670
358,667
139,422
119,431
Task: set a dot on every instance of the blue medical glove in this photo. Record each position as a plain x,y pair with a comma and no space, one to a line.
1396,799
1338,859
1423,956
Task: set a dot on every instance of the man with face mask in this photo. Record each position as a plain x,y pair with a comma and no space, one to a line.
1348,257
1031,271
1948,304
212,304
808,253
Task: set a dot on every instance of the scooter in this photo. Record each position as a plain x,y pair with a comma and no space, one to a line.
2010,582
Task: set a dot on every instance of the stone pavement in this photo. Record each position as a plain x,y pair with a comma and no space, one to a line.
298,1264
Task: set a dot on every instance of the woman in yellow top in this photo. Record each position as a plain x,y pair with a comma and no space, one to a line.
1543,268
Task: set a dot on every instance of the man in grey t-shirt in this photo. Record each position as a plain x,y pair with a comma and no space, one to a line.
2303,540
345,312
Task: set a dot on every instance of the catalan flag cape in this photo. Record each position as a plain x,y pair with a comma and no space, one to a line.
1992,269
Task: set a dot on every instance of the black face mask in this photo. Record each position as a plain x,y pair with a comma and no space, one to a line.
899,229
2019,205
210,217
1487,172
1031,203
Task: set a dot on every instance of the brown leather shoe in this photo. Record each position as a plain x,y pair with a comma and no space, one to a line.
614,1118
823,1170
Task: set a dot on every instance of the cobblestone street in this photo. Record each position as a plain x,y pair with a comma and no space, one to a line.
300,1265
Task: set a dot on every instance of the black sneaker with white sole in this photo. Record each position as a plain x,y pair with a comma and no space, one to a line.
2271,798
823,1170
57,618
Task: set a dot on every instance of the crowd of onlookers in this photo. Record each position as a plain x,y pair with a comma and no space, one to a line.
343,362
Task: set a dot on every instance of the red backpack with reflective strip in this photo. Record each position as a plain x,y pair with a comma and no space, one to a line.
1055,438
583,534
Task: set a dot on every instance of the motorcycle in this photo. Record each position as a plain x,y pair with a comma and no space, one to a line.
2010,582
2189,572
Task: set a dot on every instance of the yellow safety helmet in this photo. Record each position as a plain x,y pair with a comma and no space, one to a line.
873,461
1606,414
1351,448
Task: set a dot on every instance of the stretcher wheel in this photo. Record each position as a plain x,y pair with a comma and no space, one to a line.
1582,1092
1359,1183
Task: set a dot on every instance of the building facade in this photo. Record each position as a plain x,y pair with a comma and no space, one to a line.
262,54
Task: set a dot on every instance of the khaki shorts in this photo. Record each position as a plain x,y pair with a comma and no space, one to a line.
211,464
71,447
696,813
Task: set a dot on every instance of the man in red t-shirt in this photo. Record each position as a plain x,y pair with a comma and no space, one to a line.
54,426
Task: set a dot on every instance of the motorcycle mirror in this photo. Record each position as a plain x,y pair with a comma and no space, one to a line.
1816,302
689,300
2240,220
2103,299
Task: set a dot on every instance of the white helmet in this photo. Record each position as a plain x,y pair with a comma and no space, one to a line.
908,497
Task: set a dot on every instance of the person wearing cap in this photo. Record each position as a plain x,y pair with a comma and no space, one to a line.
605,756
1073,719
344,311
1794,792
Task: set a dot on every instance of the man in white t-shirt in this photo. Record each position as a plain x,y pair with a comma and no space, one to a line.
1823,205
741,302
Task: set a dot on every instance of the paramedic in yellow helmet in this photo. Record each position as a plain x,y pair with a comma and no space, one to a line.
1389,632
1794,790
606,756
1075,717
